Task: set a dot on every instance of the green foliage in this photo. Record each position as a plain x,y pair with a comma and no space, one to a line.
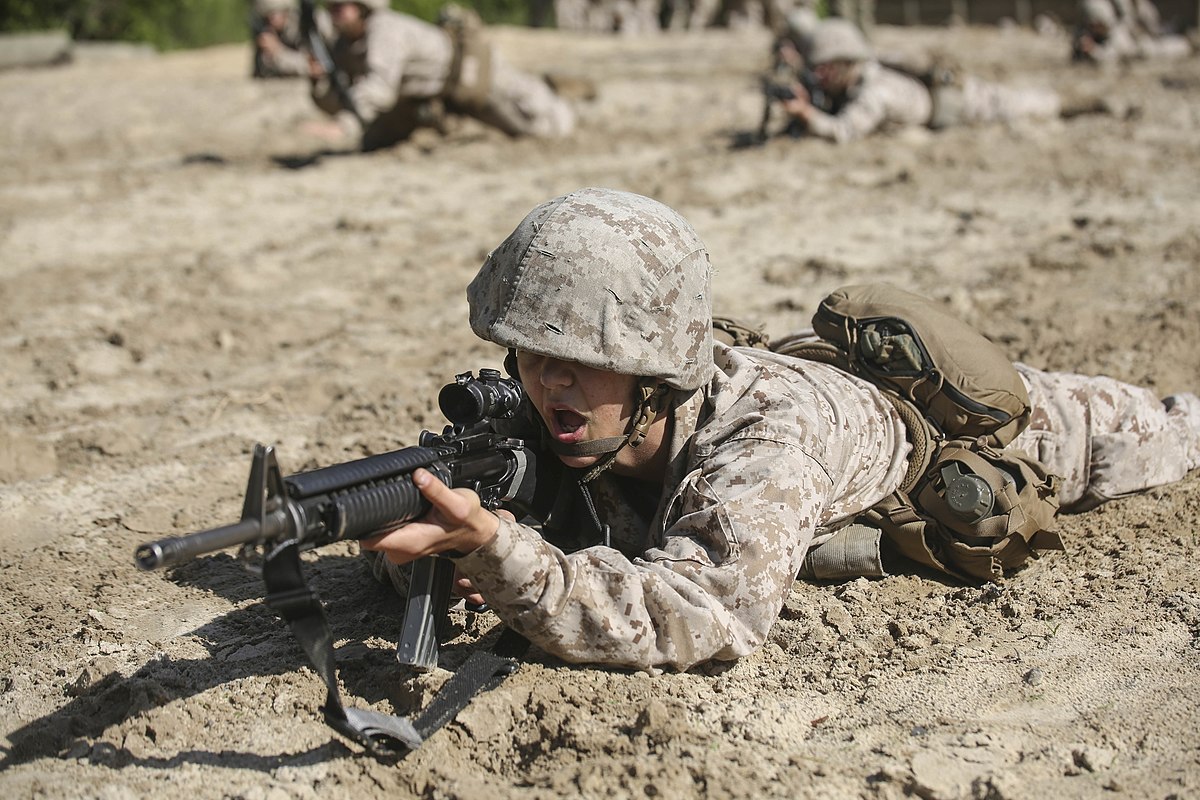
167,24
170,24
424,9
509,12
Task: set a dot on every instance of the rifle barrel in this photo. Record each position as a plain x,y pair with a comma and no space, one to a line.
176,549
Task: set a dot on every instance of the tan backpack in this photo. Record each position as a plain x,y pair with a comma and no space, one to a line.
966,506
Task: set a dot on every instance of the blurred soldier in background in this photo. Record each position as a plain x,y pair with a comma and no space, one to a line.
867,96
859,12
1112,31
278,47
790,55
611,16
402,73
648,16
793,39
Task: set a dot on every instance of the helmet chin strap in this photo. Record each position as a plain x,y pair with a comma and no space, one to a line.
652,398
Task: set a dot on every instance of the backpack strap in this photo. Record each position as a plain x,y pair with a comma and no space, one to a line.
735,333
916,428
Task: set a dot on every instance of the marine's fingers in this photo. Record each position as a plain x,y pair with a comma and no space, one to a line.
383,541
450,503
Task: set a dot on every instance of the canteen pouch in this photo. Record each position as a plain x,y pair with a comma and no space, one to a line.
963,383
974,513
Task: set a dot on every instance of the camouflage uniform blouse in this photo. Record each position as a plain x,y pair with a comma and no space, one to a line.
399,57
770,451
882,98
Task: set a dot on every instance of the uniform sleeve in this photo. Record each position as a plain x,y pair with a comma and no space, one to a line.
377,91
860,117
741,524
288,62
1121,46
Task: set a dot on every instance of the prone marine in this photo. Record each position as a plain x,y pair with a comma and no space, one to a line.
697,477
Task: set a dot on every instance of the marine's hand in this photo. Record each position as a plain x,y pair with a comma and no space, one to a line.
456,522
789,55
269,43
315,70
466,590
326,130
799,106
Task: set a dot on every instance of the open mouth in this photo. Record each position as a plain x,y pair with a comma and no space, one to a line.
568,422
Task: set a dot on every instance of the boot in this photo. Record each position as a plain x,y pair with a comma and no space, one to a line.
571,87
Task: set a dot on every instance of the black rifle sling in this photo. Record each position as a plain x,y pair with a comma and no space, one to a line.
289,595
481,671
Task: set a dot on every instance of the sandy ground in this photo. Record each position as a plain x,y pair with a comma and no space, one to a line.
180,279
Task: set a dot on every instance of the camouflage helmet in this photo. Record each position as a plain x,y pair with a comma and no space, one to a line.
608,279
802,23
265,7
1098,12
839,40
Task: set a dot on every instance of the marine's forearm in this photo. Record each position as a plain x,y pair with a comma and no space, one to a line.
597,607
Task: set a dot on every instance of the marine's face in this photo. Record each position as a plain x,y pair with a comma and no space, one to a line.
277,21
347,18
836,77
577,403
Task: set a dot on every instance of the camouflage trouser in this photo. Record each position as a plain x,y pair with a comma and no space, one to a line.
1167,47
517,103
1105,438
976,102
524,105
395,125
985,102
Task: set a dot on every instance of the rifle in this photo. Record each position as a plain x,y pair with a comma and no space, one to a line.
281,517
777,90
257,26
311,35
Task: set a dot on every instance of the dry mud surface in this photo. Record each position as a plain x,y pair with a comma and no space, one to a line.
180,279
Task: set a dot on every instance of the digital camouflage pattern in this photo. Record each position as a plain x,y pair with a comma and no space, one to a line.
839,40
790,451
767,453
883,99
609,279
984,102
1105,438
1124,30
403,62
